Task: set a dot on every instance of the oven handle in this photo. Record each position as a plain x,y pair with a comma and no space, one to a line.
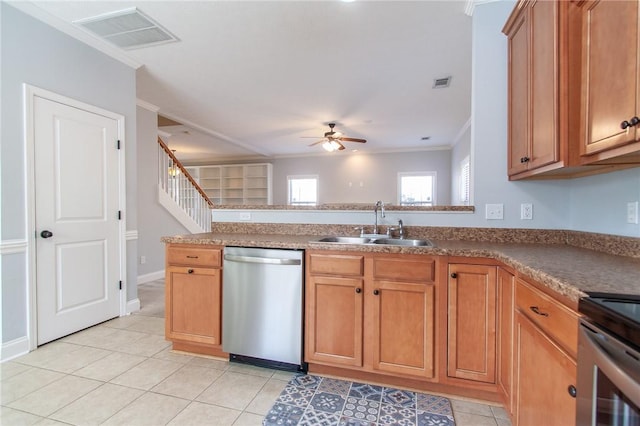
609,367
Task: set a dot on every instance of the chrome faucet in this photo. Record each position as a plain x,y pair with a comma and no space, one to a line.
400,230
379,204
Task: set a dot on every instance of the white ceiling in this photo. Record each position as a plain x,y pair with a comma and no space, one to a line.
251,78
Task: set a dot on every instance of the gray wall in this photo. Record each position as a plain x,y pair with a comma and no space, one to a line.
377,172
37,54
153,220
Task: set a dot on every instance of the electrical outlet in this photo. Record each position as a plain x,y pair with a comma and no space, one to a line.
526,211
143,260
632,212
245,216
494,211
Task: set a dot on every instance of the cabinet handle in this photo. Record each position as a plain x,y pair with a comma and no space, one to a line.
192,257
634,121
572,391
358,290
524,159
376,292
537,311
190,271
454,275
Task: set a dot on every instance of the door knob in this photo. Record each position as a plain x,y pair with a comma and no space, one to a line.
46,234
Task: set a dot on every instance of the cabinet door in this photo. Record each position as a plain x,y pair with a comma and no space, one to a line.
610,74
472,322
404,327
334,309
543,374
506,312
518,95
193,304
544,146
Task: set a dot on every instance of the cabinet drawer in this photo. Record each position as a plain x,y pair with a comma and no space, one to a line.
404,269
558,321
336,264
194,256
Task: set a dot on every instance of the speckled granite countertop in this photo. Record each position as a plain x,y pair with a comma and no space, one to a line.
568,270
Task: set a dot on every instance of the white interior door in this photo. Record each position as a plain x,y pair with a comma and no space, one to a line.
76,218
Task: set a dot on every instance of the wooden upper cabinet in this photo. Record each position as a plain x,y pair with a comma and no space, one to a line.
544,96
610,79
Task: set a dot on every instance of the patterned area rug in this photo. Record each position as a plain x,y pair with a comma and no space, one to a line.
312,400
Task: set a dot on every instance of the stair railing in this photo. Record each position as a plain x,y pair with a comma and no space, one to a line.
176,181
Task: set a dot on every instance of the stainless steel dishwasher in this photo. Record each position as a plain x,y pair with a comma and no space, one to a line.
262,301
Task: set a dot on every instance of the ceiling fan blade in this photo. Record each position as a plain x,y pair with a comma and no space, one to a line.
317,142
353,140
341,147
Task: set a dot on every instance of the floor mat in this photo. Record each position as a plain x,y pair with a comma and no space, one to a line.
314,400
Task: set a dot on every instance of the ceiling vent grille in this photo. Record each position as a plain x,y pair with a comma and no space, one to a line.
128,29
441,83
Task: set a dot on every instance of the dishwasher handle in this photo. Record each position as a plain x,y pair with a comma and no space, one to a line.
261,260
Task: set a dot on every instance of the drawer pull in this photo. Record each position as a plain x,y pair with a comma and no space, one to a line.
376,292
358,290
537,311
190,271
572,391
192,257
454,275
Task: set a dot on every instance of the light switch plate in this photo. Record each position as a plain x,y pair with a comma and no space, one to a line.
245,216
494,211
632,212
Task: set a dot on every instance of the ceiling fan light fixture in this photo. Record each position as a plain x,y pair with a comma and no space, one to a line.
331,146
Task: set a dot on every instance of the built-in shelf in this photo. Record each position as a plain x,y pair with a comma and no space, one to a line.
235,184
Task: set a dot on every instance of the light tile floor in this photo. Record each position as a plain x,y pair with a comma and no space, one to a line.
122,372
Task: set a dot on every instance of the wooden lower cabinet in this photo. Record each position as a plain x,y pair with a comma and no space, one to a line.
472,322
193,298
544,373
382,320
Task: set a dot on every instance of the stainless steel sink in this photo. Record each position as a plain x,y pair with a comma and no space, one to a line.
345,240
403,242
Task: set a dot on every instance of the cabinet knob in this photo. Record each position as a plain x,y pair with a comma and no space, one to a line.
572,391
376,292
190,271
625,124
524,159
537,311
634,121
454,275
358,290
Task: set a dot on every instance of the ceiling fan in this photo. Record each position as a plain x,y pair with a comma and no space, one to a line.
332,140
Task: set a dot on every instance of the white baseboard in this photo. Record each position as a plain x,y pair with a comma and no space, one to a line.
152,276
14,348
133,305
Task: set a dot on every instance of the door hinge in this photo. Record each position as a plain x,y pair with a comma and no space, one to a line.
118,143
119,214
120,285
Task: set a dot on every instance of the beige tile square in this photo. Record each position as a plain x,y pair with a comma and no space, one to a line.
197,414
54,396
171,355
72,358
249,419
217,363
110,366
147,374
50,422
125,321
146,345
264,400
98,405
9,416
284,375
188,382
94,336
503,422
119,340
22,384
499,412
471,408
46,353
250,369
233,390
468,419
150,409
10,369
149,325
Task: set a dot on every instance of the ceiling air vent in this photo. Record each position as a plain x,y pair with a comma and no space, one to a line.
441,83
127,28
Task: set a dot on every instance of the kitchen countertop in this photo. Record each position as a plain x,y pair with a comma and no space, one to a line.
567,270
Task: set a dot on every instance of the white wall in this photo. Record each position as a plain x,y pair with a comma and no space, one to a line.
460,151
593,204
39,55
153,220
378,174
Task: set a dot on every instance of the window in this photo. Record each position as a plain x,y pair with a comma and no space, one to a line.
417,188
302,190
464,181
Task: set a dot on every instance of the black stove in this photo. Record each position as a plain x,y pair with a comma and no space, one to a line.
618,314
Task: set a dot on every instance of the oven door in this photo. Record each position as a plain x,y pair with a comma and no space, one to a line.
608,379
